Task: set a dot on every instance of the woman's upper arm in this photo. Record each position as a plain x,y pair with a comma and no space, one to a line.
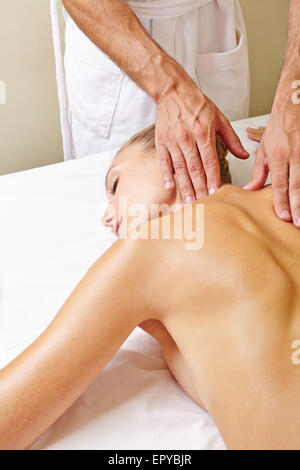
46,378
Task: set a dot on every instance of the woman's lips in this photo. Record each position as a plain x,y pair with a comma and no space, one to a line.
117,227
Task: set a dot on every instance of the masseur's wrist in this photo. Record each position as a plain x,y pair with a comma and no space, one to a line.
167,77
289,83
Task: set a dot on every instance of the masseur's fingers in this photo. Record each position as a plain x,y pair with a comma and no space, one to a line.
207,149
182,174
195,167
294,193
260,171
279,168
166,166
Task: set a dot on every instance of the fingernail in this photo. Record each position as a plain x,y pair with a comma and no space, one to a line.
297,222
286,215
189,200
247,186
168,184
211,191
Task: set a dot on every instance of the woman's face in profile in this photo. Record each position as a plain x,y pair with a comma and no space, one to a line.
133,186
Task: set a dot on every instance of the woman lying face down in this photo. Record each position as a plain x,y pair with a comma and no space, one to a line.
134,178
227,314
247,268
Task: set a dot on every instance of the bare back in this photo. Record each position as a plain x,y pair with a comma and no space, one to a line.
233,309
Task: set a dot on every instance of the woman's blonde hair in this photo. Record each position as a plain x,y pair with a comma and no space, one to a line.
146,137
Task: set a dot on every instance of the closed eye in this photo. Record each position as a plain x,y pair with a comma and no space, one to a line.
114,186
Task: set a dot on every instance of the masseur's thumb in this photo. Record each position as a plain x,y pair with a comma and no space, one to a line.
231,140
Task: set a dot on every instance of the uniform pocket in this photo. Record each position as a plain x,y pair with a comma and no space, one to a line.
93,82
224,78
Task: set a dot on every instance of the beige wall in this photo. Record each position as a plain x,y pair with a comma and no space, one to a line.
29,121
267,26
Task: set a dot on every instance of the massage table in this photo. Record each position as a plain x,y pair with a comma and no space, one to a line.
51,233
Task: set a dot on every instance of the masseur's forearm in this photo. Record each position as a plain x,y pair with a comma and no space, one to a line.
115,29
291,66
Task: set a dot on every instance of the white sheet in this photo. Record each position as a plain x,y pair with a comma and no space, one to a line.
50,234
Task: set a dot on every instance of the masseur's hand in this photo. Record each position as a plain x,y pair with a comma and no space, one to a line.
279,152
187,121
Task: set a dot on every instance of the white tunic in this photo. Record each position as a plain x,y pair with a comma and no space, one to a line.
101,107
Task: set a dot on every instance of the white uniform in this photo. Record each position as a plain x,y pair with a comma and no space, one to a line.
101,107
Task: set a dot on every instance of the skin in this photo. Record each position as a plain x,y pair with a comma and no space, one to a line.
247,323
279,151
186,118
255,133
227,316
